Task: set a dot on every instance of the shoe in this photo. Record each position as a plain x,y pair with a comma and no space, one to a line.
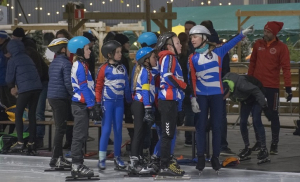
227,152
201,163
188,143
17,147
52,162
102,164
119,163
274,149
256,147
245,152
110,142
171,170
263,153
67,145
80,170
31,149
215,163
39,143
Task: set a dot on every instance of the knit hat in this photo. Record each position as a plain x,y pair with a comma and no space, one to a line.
3,34
90,36
274,27
121,38
19,32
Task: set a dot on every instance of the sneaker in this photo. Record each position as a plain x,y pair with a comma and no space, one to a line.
188,143
171,170
274,149
227,152
256,147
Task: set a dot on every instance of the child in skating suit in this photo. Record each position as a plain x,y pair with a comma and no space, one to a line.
59,92
171,81
143,85
83,102
111,85
207,95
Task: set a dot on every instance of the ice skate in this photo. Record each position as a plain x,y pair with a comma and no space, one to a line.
171,173
174,160
215,163
262,156
256,147
137,170
274,149
59,164
31,149
119,164
81,172
102,164
245,154
200,164
16,147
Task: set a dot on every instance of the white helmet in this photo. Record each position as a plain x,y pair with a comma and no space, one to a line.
200,29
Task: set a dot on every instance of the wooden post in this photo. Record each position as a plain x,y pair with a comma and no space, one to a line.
148,18
162,30
239,49
70,10
169,21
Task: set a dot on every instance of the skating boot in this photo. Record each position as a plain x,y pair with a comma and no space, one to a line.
155,160
274,149
59,164
200,164
119,164
171,172
17,147
215,163
134,168
245,153
256,147
102,164
31,149
262,156
81,171
174,160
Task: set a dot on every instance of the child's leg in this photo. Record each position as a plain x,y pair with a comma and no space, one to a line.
106,128
117,126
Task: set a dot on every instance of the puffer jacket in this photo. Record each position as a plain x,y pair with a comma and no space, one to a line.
3,62
60,86
21,70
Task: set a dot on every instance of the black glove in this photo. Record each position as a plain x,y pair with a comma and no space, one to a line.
268,113
95,112
180,118
149,116
288,94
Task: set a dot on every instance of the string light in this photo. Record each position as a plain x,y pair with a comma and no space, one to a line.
171,1
36,8
7,4
29,14
208,2
127,5
154,11
202,3
220,4
110,0
84,9
41,8
48,14
63,6
137,6
229,3
12,7
20,14
91,4
57,12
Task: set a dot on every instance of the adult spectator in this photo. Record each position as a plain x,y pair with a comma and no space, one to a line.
187,26
91,60
268,57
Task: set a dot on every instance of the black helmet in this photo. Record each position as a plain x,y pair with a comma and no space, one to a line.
162,39
108,47
57,44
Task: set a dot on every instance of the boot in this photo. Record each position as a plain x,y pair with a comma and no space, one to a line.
215,163
171,170
201,163
31,149
119,163
102,164
134,167
80,170
18,146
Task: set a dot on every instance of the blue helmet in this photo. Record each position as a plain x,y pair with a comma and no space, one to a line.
76,43
143,54
147,39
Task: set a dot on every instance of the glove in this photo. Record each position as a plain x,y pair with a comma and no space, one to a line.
149,116
180,118
248,30
98,112
268,113
288,94
95,112
195,106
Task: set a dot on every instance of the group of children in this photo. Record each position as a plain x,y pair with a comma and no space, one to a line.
157,85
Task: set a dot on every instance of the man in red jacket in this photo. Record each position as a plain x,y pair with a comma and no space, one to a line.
268,57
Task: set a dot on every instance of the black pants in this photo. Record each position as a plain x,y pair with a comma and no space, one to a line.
128,118
168,110
31,99
69,129
60,114
272,95
7,100
140,128
80,131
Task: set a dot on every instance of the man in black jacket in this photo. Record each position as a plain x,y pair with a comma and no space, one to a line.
250,93
91,61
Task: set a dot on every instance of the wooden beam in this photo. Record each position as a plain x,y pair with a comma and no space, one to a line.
160,25
39,27
123,16
148,16
268,13
82,22
169,21
244,21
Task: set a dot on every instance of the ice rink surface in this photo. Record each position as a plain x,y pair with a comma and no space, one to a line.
31,169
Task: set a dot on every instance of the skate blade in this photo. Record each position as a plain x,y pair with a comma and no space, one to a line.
53,169
184,177
139,175
263,161
245,159
122,170
71,178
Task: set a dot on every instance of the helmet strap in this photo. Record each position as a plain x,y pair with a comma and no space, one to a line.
147,64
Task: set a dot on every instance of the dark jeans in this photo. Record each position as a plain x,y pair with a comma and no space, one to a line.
214,104
224,143
168,110
69,129
31,99
60,114
272,95
80,131
189,120
140,128
259,127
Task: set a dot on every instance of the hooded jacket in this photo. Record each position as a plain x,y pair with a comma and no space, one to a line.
244,88
21,70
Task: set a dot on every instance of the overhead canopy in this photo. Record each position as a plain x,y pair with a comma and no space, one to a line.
224,19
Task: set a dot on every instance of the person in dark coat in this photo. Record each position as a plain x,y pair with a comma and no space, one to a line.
91,61
22,72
